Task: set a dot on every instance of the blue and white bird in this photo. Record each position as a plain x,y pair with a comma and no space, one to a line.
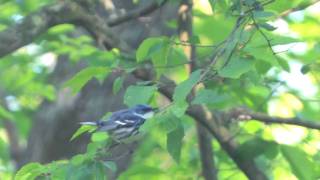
125,123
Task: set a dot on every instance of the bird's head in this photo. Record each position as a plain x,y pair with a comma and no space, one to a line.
144,111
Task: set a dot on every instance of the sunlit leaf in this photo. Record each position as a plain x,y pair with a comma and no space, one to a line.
179,108
99,136
184,88
78,159
81,130
62,28
29,171
194,40
299,162
147,47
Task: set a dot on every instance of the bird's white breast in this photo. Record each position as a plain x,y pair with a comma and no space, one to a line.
145,116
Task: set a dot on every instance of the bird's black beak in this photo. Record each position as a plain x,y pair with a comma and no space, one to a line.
155,110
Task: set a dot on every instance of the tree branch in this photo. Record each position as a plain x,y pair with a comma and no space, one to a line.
209,169
35,24
207,120
245,114
136,13
226,141
185,24
301,6
292,121
26,31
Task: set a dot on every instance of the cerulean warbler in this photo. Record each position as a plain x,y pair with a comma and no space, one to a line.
125,123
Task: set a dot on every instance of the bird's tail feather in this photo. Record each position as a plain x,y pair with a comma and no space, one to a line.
89,123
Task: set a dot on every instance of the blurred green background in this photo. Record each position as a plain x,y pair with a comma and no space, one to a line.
63,76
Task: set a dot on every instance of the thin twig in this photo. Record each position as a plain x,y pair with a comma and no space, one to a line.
136,13
273,91
245,114
300,7
220,51
184,43
279,120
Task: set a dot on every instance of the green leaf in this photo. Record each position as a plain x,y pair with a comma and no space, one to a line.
267,26
304,70
29,171
279,40
110,165
236,67
250,2
83,129
229,50
256,147
61,29
299,162
85,171
78,159
174,142
147,47
5,114
262,14
58,169
117,84
179,108
160,57
284,64
140,169
210,97
82,77
99,136
156,48
212,4
183,89
194,40
138,95
92,148
168,121
98,171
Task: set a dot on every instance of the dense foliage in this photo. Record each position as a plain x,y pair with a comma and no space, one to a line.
250,58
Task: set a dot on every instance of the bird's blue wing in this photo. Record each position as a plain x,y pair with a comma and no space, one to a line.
127,119
122,119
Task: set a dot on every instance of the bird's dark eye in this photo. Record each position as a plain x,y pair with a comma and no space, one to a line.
147,109
142,109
